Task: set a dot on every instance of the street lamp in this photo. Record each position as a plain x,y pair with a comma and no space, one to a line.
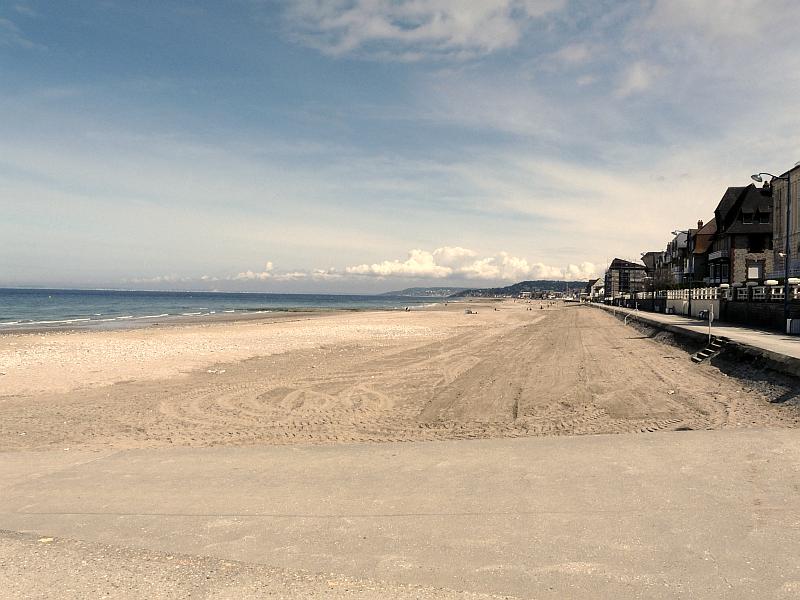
757,177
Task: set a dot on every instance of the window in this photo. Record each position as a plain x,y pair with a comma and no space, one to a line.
747,218
755,269
763,218
755,243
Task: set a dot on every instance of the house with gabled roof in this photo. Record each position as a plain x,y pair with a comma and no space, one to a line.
741,249
699,245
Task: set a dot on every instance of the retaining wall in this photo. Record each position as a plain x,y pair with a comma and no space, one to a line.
772,360
767,315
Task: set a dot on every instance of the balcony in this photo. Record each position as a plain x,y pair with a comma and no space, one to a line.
719,254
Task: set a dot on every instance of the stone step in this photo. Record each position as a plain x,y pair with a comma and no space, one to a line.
716,346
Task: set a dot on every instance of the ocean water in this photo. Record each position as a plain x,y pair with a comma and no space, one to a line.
42,308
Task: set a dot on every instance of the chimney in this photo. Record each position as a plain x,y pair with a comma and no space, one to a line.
700,224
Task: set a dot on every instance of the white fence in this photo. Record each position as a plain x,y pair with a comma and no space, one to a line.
752,293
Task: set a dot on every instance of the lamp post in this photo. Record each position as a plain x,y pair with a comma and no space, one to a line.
757,177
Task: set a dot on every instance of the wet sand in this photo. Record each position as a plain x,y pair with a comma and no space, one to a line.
363,377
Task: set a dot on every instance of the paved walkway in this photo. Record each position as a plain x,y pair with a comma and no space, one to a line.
701,514
767,341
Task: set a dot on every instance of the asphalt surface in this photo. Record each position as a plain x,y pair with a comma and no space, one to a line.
684,514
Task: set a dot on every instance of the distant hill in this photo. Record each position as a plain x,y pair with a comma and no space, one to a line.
539,285
424,292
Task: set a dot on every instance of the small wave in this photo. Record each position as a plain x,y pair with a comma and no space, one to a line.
228,311
8,323
153,316
125,317
60,322
194,314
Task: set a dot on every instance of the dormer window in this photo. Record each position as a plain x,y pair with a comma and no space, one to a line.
747,218
763,218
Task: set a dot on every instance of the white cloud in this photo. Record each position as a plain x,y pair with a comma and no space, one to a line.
637,78
574,54
11,35
732,19
267,273
448,262
462,263
584,270
419,263
454,256
413,29
270,273
26,10
163,279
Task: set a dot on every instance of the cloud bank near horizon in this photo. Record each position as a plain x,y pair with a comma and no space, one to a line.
448,263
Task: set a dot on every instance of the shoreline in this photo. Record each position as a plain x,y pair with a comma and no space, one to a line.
127,323
161,321
70,358
25,310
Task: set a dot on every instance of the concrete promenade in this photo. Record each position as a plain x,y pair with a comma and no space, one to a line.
700,514
775,345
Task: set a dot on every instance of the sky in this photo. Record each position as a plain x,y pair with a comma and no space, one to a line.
368,145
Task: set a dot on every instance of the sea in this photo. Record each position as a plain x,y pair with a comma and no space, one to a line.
59,308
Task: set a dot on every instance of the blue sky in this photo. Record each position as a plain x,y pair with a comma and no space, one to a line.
366,145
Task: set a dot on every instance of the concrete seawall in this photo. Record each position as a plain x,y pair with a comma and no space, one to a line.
741,340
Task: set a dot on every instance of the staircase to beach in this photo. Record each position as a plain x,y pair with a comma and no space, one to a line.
716,346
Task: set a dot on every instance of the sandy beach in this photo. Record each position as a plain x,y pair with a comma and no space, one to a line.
421,454
434,374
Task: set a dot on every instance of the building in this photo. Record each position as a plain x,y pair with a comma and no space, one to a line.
741,249
779,225
650,260
673,259
624,277
698,247
594,289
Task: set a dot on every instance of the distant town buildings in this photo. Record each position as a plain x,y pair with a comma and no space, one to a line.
594,289
738,256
